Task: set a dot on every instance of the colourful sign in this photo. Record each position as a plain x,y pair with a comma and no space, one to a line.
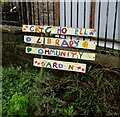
61,65
61,53
60,42
59,30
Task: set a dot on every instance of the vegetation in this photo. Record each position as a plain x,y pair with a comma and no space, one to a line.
18,105
4,3
94,94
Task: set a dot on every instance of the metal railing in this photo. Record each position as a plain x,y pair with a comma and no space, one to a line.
48,13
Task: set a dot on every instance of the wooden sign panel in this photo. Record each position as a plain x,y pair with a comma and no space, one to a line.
61,65
34,39
60,42
59,30
61,53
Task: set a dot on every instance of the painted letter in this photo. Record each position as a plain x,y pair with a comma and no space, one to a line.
47,51
52,51
71,43
31,28
41,29
76,31
43,64
73,54
76,42
59,30
57,53
47,29
48,41
36,29
81,32
85,32
38,41
63,54
64,30
80,54
48,64
55,65
60,65
57,42
40,51
65,43
71,67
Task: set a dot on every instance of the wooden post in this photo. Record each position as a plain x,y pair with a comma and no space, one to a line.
57,13
42,69
92,14
77,75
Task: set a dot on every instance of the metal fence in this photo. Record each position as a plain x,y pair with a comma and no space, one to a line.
10,14
49,13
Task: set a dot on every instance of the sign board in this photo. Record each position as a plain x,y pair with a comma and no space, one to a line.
59,30
60,42
55,64
61,65
61,53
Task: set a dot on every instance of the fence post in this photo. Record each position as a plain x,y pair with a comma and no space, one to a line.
42,57
92,14
25,21
30,13
57,12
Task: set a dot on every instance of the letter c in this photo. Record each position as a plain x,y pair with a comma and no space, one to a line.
31,28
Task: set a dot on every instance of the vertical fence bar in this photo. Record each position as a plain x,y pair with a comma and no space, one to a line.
25,21
38,13
17,12
59,16
33,13
92,15
84,16
53,13
1,35
43,11
71,17
57,13
11,4
20,13
77,12
48,12
116,6
98,34
106,25
30,12
65,15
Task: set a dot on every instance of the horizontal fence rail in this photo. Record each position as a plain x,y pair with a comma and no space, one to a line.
84,14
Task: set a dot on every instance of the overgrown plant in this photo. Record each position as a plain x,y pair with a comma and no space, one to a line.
69,111
43,101
92,94
15,79
18,105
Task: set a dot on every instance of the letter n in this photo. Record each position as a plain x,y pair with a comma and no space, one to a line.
71,67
